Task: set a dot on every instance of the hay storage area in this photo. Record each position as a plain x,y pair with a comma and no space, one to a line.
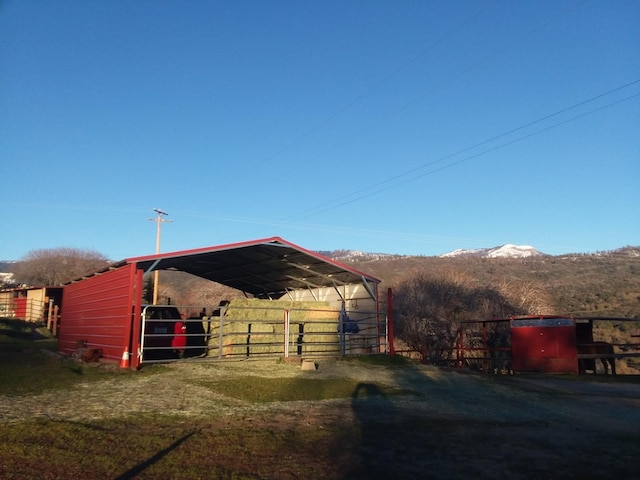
254,327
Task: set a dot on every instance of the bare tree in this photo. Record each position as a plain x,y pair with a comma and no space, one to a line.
55,266
529,297
429,310
189,290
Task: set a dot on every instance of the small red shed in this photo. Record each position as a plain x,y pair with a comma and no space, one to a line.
544,344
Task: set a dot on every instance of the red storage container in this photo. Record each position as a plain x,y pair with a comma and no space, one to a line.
544,344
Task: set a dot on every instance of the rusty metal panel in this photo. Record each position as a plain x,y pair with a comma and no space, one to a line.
544,344
97,313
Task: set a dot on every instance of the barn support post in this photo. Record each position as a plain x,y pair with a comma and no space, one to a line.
54,331
342,337
134,342
50,314
391,348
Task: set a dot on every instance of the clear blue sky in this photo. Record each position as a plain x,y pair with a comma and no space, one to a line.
411,127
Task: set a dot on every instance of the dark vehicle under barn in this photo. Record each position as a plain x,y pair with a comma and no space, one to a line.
164,332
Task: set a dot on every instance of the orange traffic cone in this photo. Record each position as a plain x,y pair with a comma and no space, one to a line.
124,363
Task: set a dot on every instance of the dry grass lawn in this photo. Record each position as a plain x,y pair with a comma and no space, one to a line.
368,418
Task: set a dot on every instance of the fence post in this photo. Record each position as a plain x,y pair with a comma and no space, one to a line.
55,320
286,333
460,347
223,310
392,350
50,315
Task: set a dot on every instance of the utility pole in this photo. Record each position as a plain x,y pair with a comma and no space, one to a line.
159,220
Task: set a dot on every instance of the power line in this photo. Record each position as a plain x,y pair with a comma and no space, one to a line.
374,87
403,67
354,196
413,175
367,92
509,132
447,81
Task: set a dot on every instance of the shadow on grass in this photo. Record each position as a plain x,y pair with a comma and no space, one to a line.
375,413
141,467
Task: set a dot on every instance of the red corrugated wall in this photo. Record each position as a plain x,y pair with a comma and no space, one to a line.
98,312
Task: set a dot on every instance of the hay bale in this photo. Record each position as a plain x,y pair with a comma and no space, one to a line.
258,325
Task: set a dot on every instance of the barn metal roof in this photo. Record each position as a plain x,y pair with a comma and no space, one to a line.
265,268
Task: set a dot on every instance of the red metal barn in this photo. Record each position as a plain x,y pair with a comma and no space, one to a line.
98,311
103,311
544,344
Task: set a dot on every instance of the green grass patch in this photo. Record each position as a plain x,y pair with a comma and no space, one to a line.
261,390
34,373
17,335
170,447
27,369
382,359
258,447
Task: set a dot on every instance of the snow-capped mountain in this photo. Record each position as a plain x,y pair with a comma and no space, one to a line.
342,255
505,251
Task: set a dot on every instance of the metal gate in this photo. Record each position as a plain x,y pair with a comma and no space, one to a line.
169,333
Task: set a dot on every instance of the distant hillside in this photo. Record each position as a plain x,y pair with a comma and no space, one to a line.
6,266
631,252
504,251
346,255
602,284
